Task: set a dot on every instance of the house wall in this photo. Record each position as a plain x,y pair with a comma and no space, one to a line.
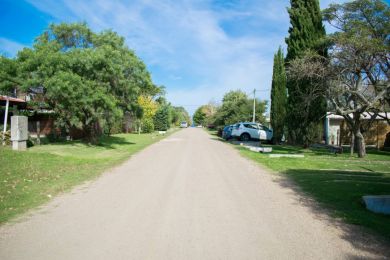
46,125
334,131
376,135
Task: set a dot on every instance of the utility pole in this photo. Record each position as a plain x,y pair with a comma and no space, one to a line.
254,106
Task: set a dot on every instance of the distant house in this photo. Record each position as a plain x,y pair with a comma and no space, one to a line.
9,106
337,132
18,100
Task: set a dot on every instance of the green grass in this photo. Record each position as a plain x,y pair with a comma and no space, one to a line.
29,179
337,182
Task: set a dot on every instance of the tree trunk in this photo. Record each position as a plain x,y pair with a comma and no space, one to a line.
360,144
38,132
352,142
90,133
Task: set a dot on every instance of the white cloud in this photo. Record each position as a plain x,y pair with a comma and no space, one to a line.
186,44
9,47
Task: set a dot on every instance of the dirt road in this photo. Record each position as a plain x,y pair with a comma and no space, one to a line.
186,197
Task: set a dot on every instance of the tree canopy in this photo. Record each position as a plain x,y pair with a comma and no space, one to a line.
278,96
89,78
306,33
356,71
235,107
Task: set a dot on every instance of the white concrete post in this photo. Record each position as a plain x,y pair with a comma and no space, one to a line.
19,132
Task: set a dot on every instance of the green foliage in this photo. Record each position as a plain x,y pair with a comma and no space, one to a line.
90,79
8,75
237,107
200,116
278,96
204,115
6,136
147,125
112,125
306,33
338,182
306,29
179,114
162,118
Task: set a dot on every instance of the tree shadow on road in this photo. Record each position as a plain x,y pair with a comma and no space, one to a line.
334,197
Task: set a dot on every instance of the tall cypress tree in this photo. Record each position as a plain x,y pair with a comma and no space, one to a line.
278,96
305,34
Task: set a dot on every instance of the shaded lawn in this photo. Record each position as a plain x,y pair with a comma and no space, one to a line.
28,179
337,182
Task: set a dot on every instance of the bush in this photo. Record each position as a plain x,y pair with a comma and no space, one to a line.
161,119
147,126
7,137
220,130
113,128
55,136
30,142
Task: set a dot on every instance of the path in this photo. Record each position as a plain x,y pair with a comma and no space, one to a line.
185,197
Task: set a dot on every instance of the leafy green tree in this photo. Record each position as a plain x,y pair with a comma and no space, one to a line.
102,67
80,112
149,108
200,116
306,33
278,96
179,114
356,71
147,125
237,107
9,77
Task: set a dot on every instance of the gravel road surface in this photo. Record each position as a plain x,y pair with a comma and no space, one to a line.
188,196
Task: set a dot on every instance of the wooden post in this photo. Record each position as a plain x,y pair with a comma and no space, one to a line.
38,132
15,110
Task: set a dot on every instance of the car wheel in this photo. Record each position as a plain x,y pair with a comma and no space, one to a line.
245,137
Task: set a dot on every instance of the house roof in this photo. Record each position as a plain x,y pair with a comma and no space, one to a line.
11,99
365,115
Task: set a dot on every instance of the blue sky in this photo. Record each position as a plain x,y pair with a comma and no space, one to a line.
198,49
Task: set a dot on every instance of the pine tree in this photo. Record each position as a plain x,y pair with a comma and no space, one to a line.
161,119
278,96
305,34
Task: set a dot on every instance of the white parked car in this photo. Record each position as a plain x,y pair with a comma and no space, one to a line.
184,124
248,130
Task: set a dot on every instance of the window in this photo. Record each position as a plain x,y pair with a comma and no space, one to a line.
261,127
252,126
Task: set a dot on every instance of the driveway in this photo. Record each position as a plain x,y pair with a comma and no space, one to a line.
188,196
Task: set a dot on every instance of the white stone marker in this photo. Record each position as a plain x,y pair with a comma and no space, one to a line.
19,132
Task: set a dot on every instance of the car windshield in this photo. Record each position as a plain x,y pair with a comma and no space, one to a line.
261,127
253,126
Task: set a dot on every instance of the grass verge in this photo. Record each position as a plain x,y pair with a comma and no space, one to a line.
29,179
337,182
